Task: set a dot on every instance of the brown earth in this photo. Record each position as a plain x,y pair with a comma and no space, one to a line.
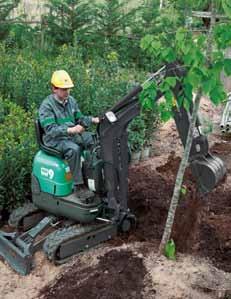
203,223
128,266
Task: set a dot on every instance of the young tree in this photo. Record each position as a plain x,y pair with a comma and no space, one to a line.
113,25
68,17
203,64
6,6
113,18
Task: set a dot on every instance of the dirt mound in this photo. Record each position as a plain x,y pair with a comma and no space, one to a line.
150,193
118,275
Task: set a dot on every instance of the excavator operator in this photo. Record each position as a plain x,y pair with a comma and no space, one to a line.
64,124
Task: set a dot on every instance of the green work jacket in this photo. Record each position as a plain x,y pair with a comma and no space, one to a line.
56,116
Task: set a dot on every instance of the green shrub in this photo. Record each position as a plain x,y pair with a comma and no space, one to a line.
17,148
151,121
24,76
99,83
136,133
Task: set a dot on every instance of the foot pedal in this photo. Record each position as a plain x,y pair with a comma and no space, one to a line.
208,171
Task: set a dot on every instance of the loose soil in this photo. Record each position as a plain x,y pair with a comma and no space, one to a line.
203,223
128,266
118,274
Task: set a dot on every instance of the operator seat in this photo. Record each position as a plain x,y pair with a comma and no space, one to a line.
48,150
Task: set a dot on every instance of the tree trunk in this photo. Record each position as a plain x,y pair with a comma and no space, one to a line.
184,161
180,176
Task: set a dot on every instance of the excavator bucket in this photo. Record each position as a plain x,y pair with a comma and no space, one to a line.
208,171
20,259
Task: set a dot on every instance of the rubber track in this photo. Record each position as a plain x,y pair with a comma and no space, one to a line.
18,214
55,240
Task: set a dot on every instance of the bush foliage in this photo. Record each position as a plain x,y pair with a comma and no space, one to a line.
17,148
98,43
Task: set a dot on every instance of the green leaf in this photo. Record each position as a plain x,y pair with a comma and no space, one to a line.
183,190
188,58
217,67
146,42
169,55
180,101
148,95
211,82
187,103
180,35
170,99
156,45
217,95
147,84
188,89
194,79
186,48
207,86
201,40
170,250
223,35
227,66
165,114
171,81
147,103
163,86
217,56
227,7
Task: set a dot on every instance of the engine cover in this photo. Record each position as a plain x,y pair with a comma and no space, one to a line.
53,174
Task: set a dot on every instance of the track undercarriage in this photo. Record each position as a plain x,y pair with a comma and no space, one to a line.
59,238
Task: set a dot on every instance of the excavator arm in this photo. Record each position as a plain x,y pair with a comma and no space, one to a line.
207,169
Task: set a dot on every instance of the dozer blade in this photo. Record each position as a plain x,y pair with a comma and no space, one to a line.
208,171
20,261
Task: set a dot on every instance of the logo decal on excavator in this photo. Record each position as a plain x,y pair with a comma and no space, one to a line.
47,172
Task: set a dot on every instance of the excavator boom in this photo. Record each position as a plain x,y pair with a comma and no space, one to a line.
207,169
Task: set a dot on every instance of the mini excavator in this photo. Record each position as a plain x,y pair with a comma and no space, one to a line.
63,222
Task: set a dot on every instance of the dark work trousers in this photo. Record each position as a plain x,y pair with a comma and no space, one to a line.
71,149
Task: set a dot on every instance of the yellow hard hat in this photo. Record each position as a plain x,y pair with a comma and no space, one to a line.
61,79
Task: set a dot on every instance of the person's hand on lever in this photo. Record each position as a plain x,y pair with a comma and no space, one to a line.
95,120
78,129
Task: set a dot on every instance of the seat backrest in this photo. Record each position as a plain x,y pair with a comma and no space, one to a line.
39,134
